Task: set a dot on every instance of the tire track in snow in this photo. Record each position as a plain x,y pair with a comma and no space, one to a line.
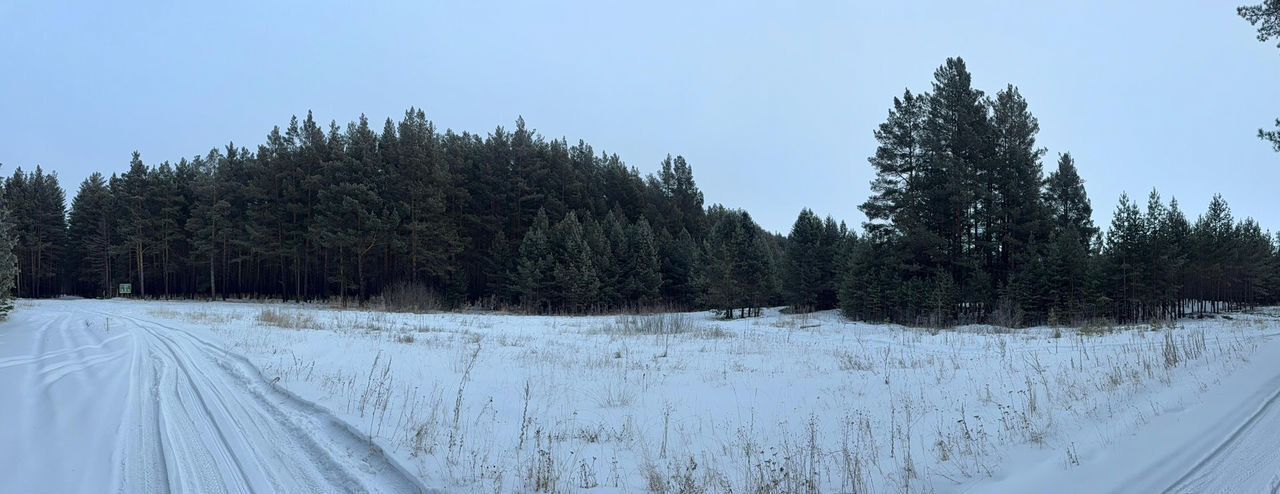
141,432
224,428
15,361
188,431
1245,456
54,373
62,376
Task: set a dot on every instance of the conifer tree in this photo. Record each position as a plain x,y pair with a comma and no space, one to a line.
1071,232
137,230
677,184
91,234
958,227
1067,202
837,244
606,266
424,180
679,259
38,213
898,163
1212,237
958,153
870,290
718,286
642,274
807,264
8,263
744,254
1126,250
575,284
210,221
536,265
1266,17
1016,225
170,217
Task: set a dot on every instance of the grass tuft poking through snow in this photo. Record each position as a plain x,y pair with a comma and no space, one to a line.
288,319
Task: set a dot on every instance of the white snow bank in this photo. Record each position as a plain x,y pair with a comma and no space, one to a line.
480,402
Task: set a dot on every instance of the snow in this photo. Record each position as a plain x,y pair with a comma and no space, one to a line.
189,396
95,399
1227,440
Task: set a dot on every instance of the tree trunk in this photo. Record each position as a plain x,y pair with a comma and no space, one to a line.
142,278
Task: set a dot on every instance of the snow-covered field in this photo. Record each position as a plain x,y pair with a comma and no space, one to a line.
146,395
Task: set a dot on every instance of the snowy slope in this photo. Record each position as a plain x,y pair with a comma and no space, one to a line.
130,405
504,403
1229,442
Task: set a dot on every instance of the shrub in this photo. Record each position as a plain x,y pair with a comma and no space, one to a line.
411,297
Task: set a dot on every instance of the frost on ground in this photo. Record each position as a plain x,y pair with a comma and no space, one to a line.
780,403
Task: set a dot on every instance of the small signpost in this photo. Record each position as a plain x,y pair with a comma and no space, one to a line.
126,288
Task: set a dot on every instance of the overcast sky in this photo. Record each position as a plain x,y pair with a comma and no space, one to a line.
772,103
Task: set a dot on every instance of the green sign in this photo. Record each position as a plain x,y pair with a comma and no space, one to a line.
126,288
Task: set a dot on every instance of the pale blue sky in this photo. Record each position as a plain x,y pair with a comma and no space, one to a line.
773,103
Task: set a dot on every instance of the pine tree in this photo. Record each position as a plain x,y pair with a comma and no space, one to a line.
211,210
304,182
1067,202
575,283
1266,17
433,240
352,214
8,263
502,261
957,179
91,234
897,223
642,274
1177,235
134,195
1212,251
1126,254
607,268
1071,232
1016,226
870,288
751,264
1254,270
676,178
679,260
957,223
715,277
807,266
898,163
170,217
837,242
533,279
1065,278
37,204
1165,226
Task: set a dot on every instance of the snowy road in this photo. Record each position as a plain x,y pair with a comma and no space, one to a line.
1228,442
96,402
1248,459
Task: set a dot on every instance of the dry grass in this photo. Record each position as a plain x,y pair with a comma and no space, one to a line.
281,318
615,372
661,325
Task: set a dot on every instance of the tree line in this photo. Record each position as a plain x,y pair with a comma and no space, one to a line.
510,219
962,226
